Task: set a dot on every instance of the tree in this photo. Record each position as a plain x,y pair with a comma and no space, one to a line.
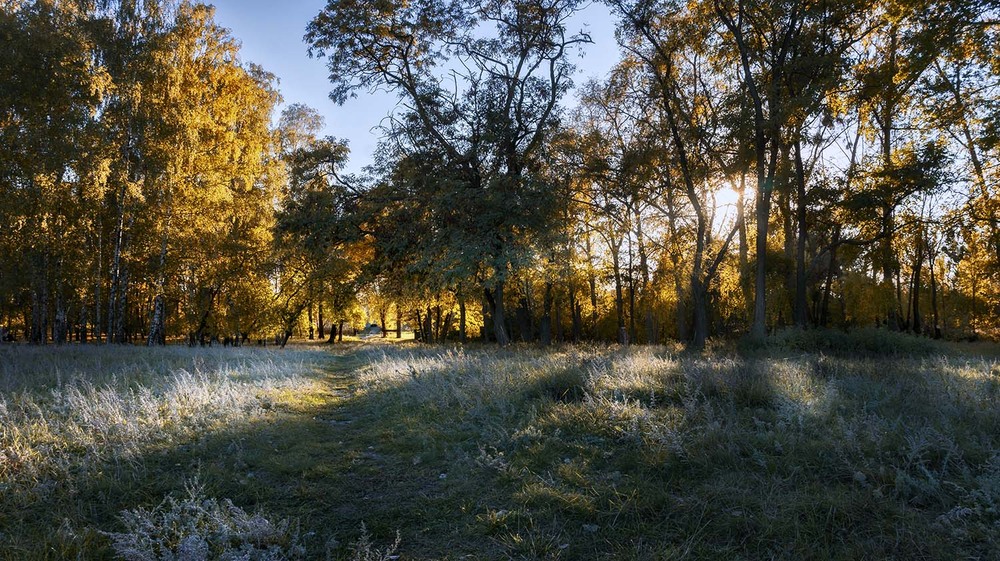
666,40
53,90
133,139
775,45
207,166
488,121
319,245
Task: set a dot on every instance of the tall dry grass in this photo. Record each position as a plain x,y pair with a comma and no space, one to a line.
67,411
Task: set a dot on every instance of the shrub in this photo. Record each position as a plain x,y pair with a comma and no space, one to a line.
365,550
566,385
867,341
196,528
745,383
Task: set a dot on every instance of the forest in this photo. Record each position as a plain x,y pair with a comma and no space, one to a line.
746,167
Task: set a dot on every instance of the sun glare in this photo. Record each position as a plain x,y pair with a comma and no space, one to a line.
726,201
725,197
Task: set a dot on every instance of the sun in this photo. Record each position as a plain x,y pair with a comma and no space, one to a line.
726,201
726,196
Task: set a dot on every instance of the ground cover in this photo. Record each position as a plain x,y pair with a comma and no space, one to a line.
479,453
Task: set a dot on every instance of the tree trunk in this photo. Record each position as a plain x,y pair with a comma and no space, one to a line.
312,330
992,221
765,169
680,314
449,318
699,297
631,292
801,304
421,334
557,321
576,310
290,321
934,296
888,220
121,319
545,328
592,284
487,304
157,332
200,333
399,324
899,296
82,333
621,332
916,325
758,329
60,327
157,325
523,315
499,328
428,327
39,310
744,249
888,270
116,273
646,297
530,309
320,328
285,336
438,324
96,324
824,309
461,320
787,217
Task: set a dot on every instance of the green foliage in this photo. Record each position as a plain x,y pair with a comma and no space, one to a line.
463,168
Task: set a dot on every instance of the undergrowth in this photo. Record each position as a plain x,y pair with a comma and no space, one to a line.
195,527
862,342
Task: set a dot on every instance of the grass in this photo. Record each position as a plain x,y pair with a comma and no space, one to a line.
479,453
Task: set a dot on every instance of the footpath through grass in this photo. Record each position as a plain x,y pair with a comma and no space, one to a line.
482,453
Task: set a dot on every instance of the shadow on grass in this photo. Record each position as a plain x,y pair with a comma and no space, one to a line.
330,464
582,454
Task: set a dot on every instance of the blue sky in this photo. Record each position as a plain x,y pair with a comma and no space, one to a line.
271,34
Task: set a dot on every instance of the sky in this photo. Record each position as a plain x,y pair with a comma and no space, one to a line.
271,35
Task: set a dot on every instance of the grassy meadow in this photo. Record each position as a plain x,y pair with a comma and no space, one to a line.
870,449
